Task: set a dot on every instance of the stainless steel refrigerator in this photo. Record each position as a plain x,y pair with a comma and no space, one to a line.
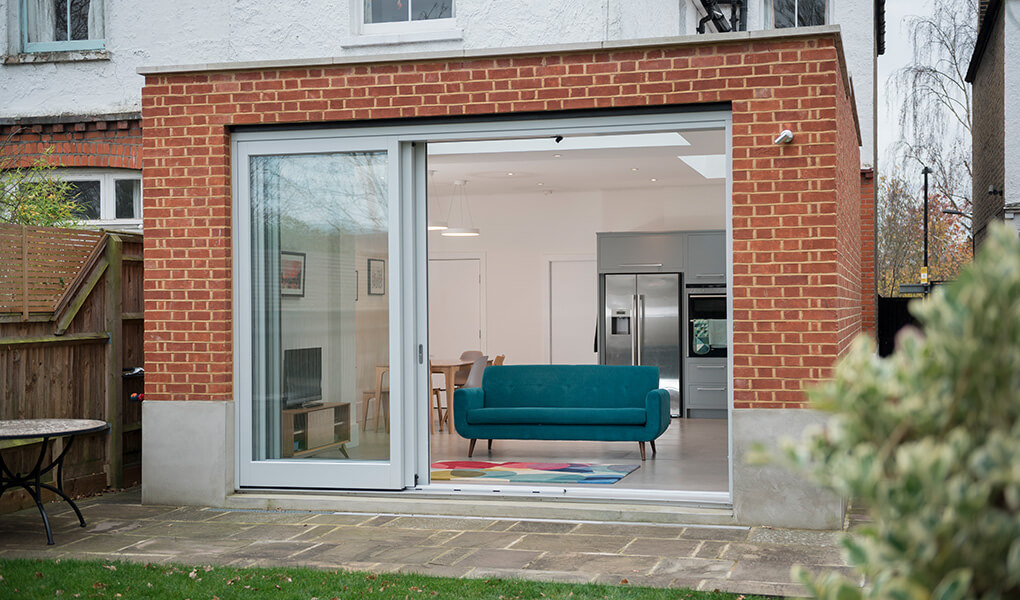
640,325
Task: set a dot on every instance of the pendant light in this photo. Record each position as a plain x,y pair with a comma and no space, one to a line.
466,228
434,224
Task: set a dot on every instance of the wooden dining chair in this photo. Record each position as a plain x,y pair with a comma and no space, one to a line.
436,393
498,360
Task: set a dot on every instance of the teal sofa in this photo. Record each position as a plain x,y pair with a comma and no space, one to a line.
564,402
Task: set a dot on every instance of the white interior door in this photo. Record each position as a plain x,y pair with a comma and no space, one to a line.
573,311
455,307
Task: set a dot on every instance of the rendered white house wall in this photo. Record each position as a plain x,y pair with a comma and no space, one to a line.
217,31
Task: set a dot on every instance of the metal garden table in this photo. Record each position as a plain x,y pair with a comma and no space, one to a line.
47,429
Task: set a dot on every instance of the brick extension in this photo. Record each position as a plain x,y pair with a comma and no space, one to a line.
796,208
76,142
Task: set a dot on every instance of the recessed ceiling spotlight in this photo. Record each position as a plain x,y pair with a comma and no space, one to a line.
557,155
654,179
633,168
510,174
540,183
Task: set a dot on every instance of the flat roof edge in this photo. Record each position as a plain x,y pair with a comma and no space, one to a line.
693,40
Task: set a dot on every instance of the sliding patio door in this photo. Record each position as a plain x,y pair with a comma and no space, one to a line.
322,357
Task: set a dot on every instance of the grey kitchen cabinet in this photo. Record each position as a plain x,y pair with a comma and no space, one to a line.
642,252
706,380
706,257
706,401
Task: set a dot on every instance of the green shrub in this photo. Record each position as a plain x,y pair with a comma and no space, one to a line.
32,195
928,440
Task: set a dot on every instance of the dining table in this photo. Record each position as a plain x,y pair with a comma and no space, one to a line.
448,369
45,430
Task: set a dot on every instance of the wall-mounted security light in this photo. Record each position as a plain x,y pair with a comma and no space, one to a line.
785,137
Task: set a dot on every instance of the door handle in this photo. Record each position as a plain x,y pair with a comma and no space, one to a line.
721,389
634,331
641,265
640,328
711,366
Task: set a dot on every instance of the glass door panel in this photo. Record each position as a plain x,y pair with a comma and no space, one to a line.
320,315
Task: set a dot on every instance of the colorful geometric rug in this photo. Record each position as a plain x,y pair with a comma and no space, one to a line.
530,472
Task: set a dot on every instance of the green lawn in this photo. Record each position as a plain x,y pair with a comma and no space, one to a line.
27,578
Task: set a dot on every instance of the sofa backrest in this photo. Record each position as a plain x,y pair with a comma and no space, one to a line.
569,386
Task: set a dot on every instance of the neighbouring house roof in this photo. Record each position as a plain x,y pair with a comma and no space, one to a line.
991,15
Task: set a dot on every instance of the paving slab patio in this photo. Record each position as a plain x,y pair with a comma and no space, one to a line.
754,560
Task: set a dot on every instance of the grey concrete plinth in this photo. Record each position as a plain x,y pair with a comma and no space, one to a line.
187,452
772,494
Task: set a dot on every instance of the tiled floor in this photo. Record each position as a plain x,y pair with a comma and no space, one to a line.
739,559
692,455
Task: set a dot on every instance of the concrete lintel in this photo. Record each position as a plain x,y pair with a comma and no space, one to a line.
693,40
187,452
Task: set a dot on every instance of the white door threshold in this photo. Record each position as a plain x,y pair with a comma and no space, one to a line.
503,505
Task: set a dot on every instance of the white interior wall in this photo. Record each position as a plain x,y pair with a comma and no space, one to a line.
520,231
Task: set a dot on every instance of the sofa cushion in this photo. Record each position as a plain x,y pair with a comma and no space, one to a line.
557,416
568,386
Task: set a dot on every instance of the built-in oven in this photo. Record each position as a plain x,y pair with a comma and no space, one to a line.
706,323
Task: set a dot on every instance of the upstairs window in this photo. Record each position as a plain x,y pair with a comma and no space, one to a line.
402,11
60,25
796,13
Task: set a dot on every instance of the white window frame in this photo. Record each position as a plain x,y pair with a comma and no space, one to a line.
56,46
107,192
409,289
429,30
769,23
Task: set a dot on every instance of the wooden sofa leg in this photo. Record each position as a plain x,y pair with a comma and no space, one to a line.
490,446
471,448
642,446
653,447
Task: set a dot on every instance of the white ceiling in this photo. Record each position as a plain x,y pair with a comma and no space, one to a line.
581,166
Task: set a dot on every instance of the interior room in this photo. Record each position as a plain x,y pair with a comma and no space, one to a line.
521,233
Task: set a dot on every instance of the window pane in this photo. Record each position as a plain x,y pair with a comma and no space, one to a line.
320,351
86,197
80,19
129,198
783,13
386,11
811,12
431,9
47,20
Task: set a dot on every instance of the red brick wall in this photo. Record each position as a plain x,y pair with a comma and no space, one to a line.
848,229
113,143
791,289
869,314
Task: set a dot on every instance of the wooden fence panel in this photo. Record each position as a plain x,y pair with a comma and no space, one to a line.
55,358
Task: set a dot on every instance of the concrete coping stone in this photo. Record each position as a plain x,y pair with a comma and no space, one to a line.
692,40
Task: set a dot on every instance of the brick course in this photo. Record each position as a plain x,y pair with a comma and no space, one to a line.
76,143
796,208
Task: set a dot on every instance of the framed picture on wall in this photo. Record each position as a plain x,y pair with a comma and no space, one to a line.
376,277
292,273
